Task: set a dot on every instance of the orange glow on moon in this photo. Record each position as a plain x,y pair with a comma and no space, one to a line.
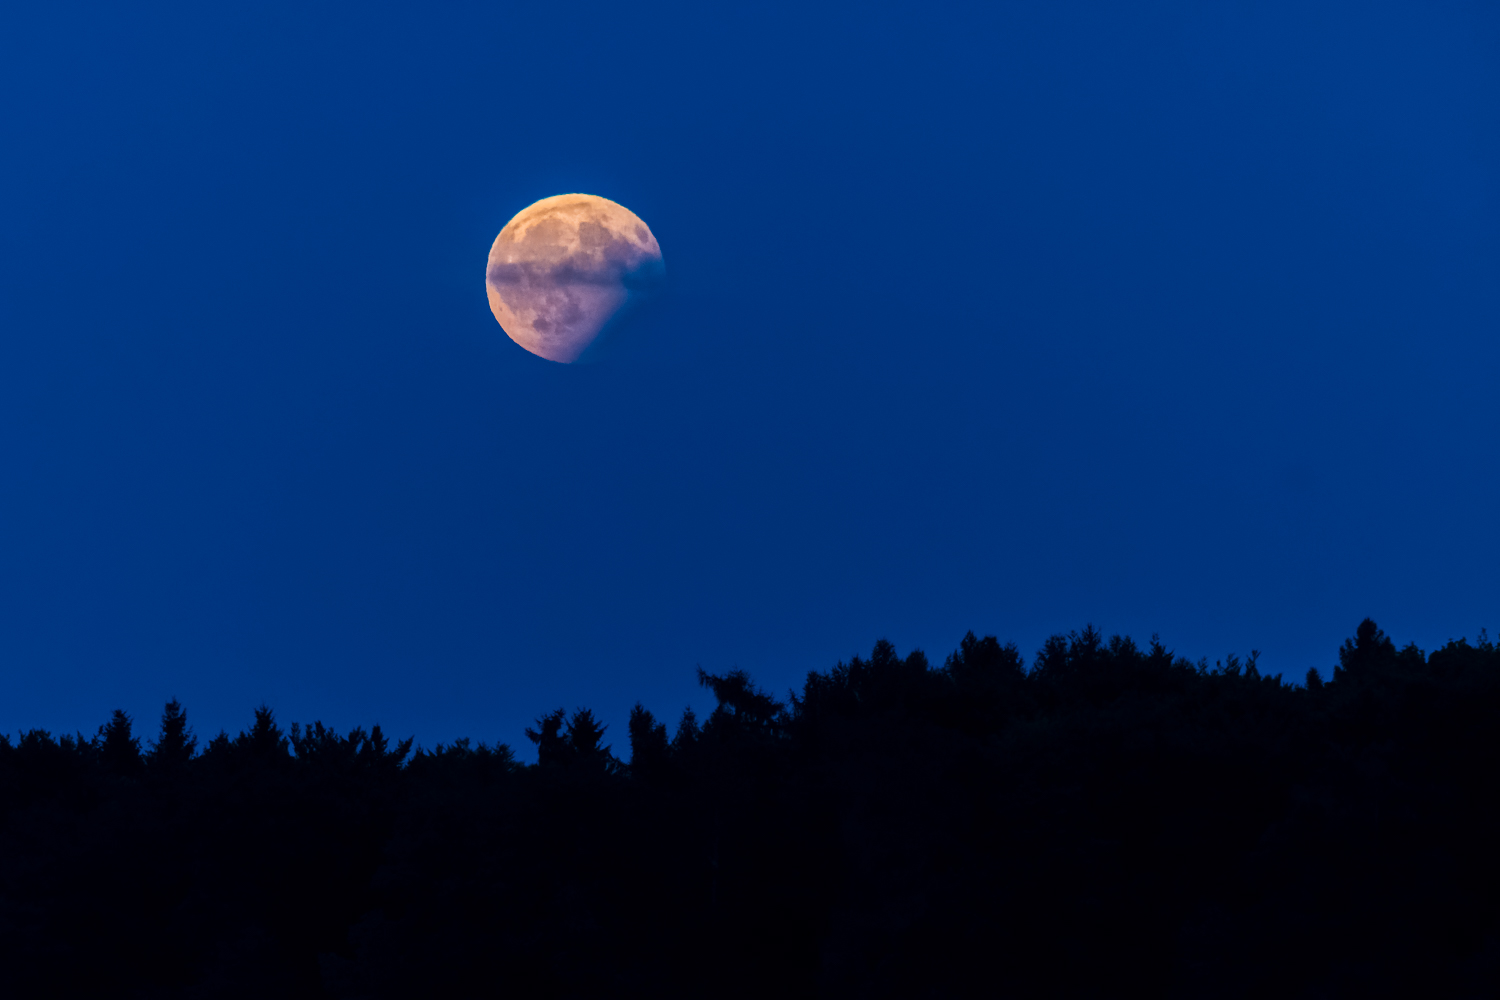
564,267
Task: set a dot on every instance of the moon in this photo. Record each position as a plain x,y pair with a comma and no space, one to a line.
564,268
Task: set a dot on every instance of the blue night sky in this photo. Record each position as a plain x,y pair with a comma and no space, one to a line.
1176,318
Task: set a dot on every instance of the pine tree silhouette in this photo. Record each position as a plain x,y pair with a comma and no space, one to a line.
1368,656
552,748
265,741
686,736
176,743
648,742
743,708
585,737
119,752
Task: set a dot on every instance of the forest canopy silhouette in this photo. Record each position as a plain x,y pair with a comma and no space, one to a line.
1111,816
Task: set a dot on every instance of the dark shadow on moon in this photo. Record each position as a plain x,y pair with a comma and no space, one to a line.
646,300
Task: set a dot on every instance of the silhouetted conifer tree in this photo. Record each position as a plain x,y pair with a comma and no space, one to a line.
176,743
743,708
648,742
686,736
984,663
585,742
551,745
1370,654
119,751
265,742
375,750
218,747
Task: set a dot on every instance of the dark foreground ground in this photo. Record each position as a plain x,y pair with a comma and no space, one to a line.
1110,821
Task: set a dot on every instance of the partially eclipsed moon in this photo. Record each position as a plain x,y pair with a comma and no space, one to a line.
564,267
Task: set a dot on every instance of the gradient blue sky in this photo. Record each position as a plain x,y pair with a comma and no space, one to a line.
1174,318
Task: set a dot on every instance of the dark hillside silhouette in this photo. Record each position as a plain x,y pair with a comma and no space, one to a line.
1111,820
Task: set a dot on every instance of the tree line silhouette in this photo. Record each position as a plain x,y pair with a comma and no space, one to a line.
1113,818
